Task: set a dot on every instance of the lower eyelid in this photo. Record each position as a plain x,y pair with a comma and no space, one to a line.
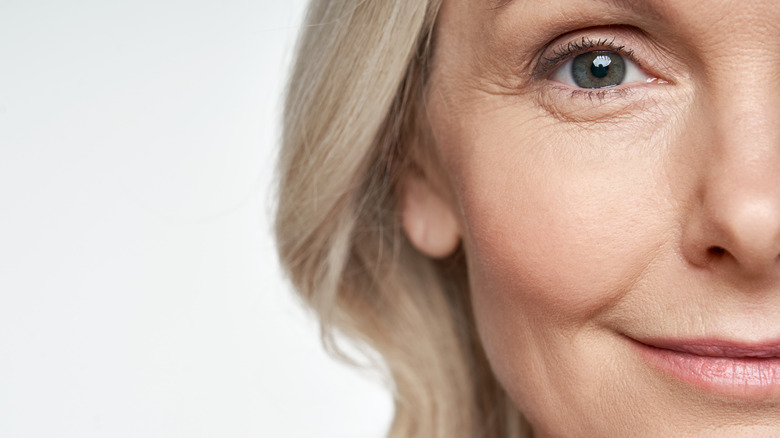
578,105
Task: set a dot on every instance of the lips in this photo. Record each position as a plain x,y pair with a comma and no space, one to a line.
721,349
717,366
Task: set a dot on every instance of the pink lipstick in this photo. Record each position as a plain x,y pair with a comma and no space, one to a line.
723,367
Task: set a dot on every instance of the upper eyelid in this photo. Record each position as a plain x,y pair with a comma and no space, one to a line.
568,50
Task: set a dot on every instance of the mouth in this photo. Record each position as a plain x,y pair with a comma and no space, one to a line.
744,370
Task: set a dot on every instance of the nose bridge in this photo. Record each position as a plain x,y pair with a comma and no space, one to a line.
740,191
745,110
745,148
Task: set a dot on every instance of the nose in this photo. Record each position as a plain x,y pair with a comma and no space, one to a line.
734,222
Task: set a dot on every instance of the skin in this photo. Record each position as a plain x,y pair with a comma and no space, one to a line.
592,217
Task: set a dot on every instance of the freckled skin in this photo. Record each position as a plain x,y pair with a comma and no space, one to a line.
649,211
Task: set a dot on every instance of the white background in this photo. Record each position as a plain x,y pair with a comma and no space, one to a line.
139,291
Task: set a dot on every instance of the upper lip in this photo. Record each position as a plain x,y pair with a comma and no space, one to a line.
717,348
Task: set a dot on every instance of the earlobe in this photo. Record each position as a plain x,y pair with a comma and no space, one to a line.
428,219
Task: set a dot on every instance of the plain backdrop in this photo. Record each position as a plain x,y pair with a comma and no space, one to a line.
139,291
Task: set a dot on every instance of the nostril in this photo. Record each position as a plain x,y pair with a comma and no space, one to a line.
716,251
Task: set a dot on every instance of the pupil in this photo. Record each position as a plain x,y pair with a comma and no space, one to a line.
600,66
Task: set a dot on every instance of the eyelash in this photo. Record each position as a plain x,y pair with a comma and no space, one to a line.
564,52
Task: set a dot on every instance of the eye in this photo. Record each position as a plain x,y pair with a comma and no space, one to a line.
599,69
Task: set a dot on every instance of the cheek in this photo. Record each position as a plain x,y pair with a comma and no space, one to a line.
561,232
556,232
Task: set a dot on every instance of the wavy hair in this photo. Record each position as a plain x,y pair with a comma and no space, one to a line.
354,121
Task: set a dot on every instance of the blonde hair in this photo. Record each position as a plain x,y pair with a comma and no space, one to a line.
353,116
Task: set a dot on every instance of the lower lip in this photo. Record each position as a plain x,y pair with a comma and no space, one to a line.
750,377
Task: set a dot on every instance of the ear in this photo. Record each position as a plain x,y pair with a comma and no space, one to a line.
428,218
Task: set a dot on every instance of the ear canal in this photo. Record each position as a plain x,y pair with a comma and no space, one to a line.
428,219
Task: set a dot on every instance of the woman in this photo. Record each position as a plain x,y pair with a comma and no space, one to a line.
550,218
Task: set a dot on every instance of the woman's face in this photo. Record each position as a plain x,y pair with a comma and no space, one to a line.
614,169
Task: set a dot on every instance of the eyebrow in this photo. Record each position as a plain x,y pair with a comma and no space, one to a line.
638,7
498,4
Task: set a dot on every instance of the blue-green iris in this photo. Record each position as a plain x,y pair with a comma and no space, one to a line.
598,69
